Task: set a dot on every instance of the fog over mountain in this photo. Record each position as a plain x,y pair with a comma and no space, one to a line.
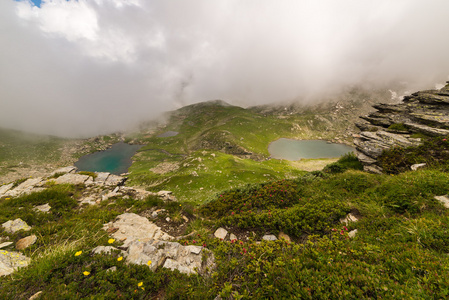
78,68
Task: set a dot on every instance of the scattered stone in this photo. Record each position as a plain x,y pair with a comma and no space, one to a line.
15,225
166,195
443,199
101,177
72,179
26,242
134,227
45,208
167,219
269,237
157,212
5,244
232,237
35,296
89,200
284,236
111,269
185,218
349,218
105,250
424,112
64,170
10,261
417,166
352,233
114,180
5,188
170,255
220,233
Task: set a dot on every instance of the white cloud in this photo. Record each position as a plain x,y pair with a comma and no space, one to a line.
102,64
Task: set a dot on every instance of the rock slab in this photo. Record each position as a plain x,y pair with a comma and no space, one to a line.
13,226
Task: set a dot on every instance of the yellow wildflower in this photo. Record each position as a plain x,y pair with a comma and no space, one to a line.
110,241
78,253
120,258
149,263
86,273
140,284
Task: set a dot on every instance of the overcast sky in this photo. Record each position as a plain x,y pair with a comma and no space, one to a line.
94,66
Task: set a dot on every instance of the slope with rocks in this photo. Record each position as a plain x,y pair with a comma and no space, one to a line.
424,113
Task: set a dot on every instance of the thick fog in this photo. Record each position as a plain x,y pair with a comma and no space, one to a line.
77,68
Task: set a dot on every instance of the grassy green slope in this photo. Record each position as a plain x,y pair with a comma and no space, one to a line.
218,147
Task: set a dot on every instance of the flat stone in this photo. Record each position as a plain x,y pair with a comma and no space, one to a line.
349,218
4,188
134,227
417,166
232,237
13,226
35,296
64,170
443,199
283,236
28,186
105,250
352,233
269,237
114,180
220,233
10,261
26,242
72,179
5,244
170,255
45,208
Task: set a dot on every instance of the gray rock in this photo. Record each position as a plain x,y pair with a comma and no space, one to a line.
36,296
417,166
28,186
13,226
105,250
114,180
5,244
221,233
134,227
443,199
45,208
352,233
232,237
5,188
269,237
10,261
72,179
349,218
64,170
171,255
26,242
101,177
166,195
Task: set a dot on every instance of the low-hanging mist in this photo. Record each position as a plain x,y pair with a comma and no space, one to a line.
79,68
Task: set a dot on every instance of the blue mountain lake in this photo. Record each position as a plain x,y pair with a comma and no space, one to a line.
115,160
297,149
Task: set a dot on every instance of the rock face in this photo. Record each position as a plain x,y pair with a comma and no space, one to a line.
10,261
425,112
170,255
129,227
12,226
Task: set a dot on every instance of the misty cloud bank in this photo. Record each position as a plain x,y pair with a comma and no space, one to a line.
88,67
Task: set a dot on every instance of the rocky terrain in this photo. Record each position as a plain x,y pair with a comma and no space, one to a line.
422,113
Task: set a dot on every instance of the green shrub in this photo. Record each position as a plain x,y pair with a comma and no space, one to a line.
346,162
398,127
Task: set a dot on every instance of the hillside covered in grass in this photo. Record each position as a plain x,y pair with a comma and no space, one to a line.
396,249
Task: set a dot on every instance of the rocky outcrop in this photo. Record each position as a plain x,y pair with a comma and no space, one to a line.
425,112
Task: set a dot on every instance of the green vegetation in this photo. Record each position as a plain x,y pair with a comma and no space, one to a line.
399,251
398,127
434,151
220,147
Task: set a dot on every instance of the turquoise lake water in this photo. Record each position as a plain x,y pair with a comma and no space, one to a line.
297,149
115,160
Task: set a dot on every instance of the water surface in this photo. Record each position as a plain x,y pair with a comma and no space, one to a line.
115,160
297,149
